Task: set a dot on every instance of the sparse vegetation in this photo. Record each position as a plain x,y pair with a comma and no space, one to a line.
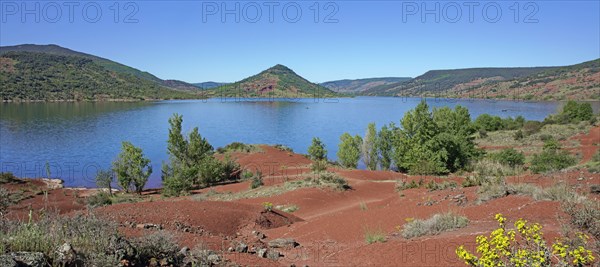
257,180
238,147
373,235
435,225
287,208
8,178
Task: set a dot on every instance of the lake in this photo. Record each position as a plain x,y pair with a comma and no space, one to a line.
76,139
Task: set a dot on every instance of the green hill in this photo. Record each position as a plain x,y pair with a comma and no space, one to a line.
35,76
361,85
208,85
441,81
276,82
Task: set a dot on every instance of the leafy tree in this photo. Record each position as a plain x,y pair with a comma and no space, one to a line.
104,179
369,147
317,151
349,150
386,145
434,142
132,168
488,122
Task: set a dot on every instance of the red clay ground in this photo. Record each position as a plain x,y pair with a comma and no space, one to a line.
331,225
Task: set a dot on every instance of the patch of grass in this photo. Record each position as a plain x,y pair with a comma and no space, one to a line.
257,180
105,199
593,166
333,180
8,178
363,206
373,235
585,215
238,147
435,225
403,184
433,186
283,148
488,167
158,245
319,165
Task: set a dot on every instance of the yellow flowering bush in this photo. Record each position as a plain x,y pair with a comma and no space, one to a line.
268,206
524,246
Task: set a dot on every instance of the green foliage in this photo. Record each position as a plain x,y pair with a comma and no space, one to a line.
283,148
369,147
99,199
349,150
374,235
42,76
433,186
488,122
188,158
532,127
159,245
8,178
576,112
257,180
519,135
317,150
509,156
333,180
132,168
237,147
104,179
386,146
434,142
435,225
4,203
319,166
552,158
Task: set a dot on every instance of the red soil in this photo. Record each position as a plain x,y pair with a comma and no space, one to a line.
331,225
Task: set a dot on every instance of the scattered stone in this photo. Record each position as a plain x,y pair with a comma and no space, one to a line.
65,254
283,243
262,253
241,248
230,249
30,259
7,261
595,189
259,234
580,179
273,255
184,250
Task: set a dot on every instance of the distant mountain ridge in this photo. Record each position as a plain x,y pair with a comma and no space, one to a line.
208,85
106,63
278,81
54,73
355,86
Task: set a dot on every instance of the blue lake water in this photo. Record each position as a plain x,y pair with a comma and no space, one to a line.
77,138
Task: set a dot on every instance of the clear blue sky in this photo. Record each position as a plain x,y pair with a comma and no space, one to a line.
174,40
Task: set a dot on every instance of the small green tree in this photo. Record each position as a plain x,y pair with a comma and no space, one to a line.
369,147
317,150
576,112
385,145
349,150
509,156
132,168
104,179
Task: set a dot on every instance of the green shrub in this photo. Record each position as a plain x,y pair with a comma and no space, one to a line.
284,148
257,180
488,167
433,186
551,160
545,137
435,225
349,150
532,127
246,174
237,147
519,135
158,246
4,203
585,215
403,185
319,165
333,180
99,199
509,156
7,178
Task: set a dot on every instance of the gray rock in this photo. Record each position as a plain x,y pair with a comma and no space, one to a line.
121,248
30,259
241,248
213,259
595,189
273,255
7,261
262,253
283,243
184,250
65,254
